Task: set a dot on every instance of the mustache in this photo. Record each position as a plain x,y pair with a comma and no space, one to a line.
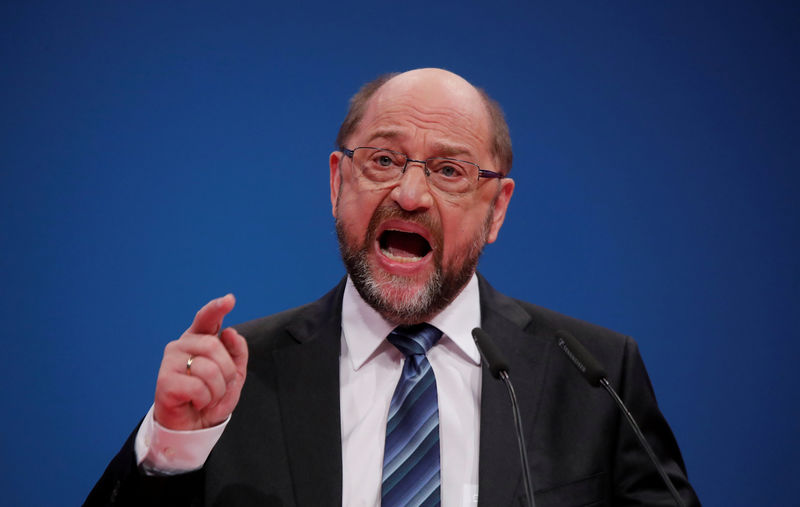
422,218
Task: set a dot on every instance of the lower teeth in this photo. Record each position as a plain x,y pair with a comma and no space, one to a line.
399,258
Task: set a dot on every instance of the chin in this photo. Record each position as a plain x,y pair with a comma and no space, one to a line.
401,299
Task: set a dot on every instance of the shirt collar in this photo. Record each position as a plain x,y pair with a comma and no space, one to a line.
365,330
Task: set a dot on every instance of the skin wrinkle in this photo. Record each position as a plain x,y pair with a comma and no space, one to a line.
435,118
425,113
500,145
440,148
439,291
441,288
449,198
426,129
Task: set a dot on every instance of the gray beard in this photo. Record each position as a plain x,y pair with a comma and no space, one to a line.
439,290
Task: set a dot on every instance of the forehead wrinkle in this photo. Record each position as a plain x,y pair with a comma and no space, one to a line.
445,149
455,132
456,125
384,133
441,147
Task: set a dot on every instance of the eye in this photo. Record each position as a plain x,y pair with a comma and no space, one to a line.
446,168
385,159
449,171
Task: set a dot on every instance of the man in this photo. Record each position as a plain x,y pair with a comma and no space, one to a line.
418,186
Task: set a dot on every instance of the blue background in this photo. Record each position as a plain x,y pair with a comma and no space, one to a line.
156,155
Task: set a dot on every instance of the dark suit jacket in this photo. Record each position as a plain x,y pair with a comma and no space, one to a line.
283,445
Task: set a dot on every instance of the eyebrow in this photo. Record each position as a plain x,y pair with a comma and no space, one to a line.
385,134
444,149
440,148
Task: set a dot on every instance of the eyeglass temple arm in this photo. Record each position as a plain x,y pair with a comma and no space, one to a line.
483,173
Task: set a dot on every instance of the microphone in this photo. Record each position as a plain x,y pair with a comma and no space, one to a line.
592,371
581,358
490,353
498,366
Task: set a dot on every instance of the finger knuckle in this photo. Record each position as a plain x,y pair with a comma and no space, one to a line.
164,383
170,347
209,341
200,393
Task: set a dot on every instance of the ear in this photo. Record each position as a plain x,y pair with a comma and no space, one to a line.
500,205
335,163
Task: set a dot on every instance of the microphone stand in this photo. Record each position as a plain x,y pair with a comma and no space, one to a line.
523,453
498,366
674,492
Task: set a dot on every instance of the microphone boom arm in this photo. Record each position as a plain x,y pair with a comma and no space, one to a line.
674,492
523,452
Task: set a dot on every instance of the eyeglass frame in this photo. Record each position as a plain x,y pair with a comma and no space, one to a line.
482,173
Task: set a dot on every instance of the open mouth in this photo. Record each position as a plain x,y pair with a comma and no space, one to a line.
403,246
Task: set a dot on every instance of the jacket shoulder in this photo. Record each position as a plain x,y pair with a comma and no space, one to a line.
552,320
294,325
540,321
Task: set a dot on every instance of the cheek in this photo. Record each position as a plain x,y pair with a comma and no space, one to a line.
462,227
352,214
458,229
355,208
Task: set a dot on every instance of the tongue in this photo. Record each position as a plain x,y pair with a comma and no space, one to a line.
404,244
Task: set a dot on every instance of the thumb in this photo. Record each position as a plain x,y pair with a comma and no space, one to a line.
209,318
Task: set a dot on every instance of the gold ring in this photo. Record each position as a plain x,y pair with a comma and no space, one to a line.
189,365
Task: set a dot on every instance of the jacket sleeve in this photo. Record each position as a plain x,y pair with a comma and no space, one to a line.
125,484
637,481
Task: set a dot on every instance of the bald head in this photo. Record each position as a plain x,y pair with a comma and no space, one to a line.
435,85
438,88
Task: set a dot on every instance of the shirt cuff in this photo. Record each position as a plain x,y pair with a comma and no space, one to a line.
162,451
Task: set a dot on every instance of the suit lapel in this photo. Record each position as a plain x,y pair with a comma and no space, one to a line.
500,476
308,392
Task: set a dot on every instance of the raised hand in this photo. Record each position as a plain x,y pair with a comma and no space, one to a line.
201,374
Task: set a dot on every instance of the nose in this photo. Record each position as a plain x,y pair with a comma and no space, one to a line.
412,192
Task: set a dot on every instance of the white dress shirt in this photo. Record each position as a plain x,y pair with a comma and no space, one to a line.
369,369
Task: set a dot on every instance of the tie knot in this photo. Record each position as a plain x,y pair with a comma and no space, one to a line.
414,340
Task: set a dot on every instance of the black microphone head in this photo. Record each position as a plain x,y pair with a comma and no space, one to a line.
581,358
491,355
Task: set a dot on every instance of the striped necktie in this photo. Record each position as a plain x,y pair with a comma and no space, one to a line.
411,455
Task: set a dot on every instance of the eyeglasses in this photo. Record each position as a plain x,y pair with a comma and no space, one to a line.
447,174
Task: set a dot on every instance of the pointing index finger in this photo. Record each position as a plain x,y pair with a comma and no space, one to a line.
209,318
